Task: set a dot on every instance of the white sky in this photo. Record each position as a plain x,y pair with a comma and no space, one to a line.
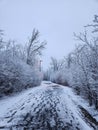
55,19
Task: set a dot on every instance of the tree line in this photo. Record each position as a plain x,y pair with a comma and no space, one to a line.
79,69
19,63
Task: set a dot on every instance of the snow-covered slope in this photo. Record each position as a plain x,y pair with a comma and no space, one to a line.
49,106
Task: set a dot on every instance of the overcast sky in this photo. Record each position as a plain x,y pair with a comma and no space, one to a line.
55,19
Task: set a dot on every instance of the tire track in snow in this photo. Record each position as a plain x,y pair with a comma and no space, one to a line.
46,109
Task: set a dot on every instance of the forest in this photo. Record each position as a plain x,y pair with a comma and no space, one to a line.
20,65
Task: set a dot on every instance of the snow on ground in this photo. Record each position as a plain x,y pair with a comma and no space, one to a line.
79,101
9,102
45,107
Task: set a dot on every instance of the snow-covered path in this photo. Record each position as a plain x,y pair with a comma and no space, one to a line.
47,107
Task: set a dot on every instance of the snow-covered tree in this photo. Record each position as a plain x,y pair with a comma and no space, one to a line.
80,68
34,47
16,70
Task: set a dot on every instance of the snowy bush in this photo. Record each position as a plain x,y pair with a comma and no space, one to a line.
59,78
57,72
16,73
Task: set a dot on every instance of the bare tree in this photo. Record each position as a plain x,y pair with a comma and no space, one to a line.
94,25
34,46
1,39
